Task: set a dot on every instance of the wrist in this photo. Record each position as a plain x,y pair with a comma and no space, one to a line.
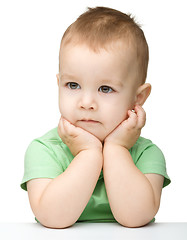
112,145
114,152
97,150
91,153
95,147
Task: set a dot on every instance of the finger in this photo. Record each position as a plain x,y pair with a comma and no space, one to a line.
64,126
60,129
141,115
69,128
132,120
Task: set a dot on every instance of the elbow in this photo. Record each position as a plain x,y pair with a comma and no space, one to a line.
55,220
136,220
54,224
134,223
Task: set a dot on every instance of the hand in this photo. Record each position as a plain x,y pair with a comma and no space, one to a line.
127,133
76,138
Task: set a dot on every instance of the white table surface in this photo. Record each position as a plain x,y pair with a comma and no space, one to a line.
96,231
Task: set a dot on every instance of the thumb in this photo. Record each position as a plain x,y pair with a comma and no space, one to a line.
69,128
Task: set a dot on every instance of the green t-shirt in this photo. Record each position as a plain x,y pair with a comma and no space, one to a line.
48,157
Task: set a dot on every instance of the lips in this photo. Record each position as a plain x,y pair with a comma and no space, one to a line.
89,121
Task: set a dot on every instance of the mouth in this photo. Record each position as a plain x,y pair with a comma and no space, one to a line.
88,121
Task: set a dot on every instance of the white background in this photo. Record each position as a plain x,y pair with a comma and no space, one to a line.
30,34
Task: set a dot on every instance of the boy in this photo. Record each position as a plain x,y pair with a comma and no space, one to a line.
95,166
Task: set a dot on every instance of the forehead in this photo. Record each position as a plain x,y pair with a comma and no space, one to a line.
117,61
116,50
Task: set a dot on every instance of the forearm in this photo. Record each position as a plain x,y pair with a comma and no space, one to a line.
66,196
130,193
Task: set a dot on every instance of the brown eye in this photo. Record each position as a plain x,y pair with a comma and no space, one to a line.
105,89
73,85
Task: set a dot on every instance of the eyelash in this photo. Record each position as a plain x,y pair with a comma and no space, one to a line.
109,89
70,84
103,89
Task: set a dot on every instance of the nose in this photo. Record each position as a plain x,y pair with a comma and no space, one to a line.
87,102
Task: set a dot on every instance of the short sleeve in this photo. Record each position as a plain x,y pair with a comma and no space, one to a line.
152,160
40,162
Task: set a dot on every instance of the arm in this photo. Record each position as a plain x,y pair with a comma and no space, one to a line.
134,197
58,203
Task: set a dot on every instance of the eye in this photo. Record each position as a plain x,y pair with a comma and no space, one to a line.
73,85
106,89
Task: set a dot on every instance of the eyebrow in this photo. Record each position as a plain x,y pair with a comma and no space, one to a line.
67,76
110,82
103,81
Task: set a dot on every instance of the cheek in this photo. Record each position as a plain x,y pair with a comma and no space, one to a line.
65,107
118,110
120,115
114,115
61,103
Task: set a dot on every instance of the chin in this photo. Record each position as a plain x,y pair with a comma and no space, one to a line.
101,138
97,135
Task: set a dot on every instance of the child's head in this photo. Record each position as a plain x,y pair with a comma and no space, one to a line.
102,70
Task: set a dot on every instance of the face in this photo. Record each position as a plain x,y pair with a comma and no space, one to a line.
96,89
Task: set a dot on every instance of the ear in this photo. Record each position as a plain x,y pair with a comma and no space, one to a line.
142,93
57,76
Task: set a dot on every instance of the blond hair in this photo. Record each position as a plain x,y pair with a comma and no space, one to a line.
98,27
